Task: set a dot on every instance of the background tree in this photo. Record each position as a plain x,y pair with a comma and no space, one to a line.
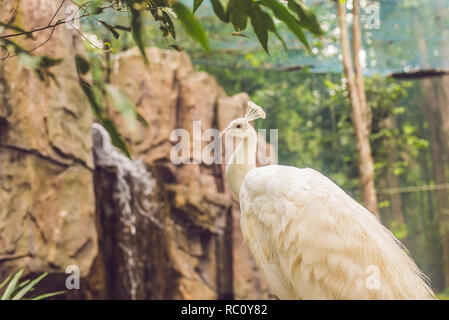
356,90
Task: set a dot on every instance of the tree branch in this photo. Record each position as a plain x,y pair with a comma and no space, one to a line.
49,26
57,23
13,16
54,16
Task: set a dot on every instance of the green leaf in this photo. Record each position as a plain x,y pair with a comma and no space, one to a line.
97,109
272,28
238,11
17,292
169,24
282,13
124,28
48,62
12,285
260,21
384,204
137,28
22,284
5,281
191,24
399,230
41,65
29,286
197,4
125,106
29,61
95,7
220,9
398,110
82,65
93,99
48,295
110,28
5,43
116,138
307,17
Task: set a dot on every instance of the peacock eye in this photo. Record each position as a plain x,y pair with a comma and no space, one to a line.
239,126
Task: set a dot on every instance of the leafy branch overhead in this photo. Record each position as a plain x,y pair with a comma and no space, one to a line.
260,14
98,94
294,13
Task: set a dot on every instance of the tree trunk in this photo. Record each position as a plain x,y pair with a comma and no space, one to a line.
443,99
432,234
356,47
443,81
442,196
433,114
392,179
359,118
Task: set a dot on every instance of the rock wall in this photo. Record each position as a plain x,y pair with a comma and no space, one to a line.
188,246
47,202
137,229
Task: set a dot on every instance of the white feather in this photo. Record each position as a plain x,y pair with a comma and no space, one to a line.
312,241
309,238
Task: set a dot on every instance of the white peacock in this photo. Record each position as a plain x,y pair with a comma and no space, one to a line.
308,237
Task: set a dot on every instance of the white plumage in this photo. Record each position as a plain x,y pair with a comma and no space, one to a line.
309,238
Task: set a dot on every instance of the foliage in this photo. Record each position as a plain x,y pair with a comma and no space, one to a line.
296,15
314,119
443,295
191,24
17,290
100,95
312,114
399,230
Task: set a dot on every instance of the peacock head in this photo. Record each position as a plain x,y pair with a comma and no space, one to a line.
240,127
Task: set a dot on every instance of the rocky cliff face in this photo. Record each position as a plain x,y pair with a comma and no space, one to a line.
47,204
188,244
137,229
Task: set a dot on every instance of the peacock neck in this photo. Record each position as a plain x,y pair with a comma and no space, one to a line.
241,162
